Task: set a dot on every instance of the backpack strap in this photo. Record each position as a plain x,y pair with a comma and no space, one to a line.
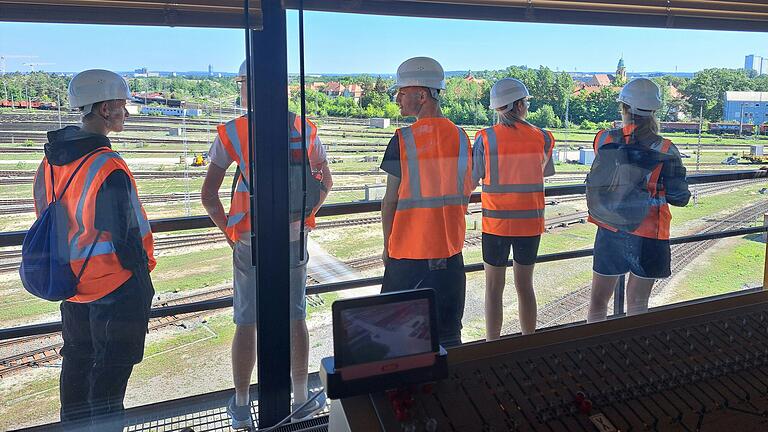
80,165
238,174
88,257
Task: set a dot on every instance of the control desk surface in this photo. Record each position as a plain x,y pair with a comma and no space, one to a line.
698,367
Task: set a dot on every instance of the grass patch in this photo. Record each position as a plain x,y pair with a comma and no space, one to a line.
712,204
726,270
193,270
17,304
328,299
351,242
31,402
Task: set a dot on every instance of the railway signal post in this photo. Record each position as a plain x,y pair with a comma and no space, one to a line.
701,122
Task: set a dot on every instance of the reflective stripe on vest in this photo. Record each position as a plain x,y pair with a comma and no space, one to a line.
435,162
104,272
656,224
234,138
513,184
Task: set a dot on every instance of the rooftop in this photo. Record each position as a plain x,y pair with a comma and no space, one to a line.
746,96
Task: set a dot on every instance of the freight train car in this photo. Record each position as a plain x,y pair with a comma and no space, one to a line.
731,128
159,100
687,127
22,104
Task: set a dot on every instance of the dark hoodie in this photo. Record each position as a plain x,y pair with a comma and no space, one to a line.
114,212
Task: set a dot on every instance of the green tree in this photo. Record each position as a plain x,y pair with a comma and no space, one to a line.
544,117
711,84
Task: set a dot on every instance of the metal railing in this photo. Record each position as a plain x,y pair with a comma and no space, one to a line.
196,222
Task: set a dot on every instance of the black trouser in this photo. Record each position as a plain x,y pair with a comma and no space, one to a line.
446,277
103,339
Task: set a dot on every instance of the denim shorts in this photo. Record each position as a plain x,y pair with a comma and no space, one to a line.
618,252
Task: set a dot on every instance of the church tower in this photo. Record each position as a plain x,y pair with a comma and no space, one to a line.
621,72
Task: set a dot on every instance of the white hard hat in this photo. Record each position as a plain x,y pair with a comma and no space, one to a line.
642,95
243,71
96,85
420,72
507,91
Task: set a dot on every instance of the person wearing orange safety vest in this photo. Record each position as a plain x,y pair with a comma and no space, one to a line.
644,251
429,180
231,146
511,159
110,246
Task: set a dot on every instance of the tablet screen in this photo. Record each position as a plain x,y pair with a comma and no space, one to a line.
385,331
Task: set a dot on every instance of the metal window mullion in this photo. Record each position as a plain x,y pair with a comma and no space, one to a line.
268,121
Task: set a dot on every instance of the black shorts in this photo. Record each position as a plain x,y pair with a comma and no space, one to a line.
496,249
617,253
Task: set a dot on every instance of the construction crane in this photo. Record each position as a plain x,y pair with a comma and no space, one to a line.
4,57
32,66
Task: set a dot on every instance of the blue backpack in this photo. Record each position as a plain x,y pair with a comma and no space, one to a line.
45,270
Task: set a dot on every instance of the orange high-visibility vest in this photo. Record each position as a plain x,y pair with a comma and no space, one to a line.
657,221
104,273
513,185
436,182
234,137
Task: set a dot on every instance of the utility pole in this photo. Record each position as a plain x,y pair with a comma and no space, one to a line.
701,122
58,105
567,117
741,119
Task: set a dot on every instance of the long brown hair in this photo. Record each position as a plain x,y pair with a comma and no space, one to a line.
645,126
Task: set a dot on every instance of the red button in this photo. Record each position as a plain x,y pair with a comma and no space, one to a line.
586,406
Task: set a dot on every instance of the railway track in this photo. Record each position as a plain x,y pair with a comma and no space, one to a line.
41,138
574,304
472,239
27,205
49,346
11,259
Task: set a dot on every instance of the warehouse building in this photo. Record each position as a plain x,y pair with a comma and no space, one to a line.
746,107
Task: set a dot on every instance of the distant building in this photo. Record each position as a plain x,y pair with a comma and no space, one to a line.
756,63
334,89
210,70
316,86
354,91
621,72
471,78
144,73
746,107
600,80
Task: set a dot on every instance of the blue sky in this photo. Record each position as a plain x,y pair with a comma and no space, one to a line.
346,43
